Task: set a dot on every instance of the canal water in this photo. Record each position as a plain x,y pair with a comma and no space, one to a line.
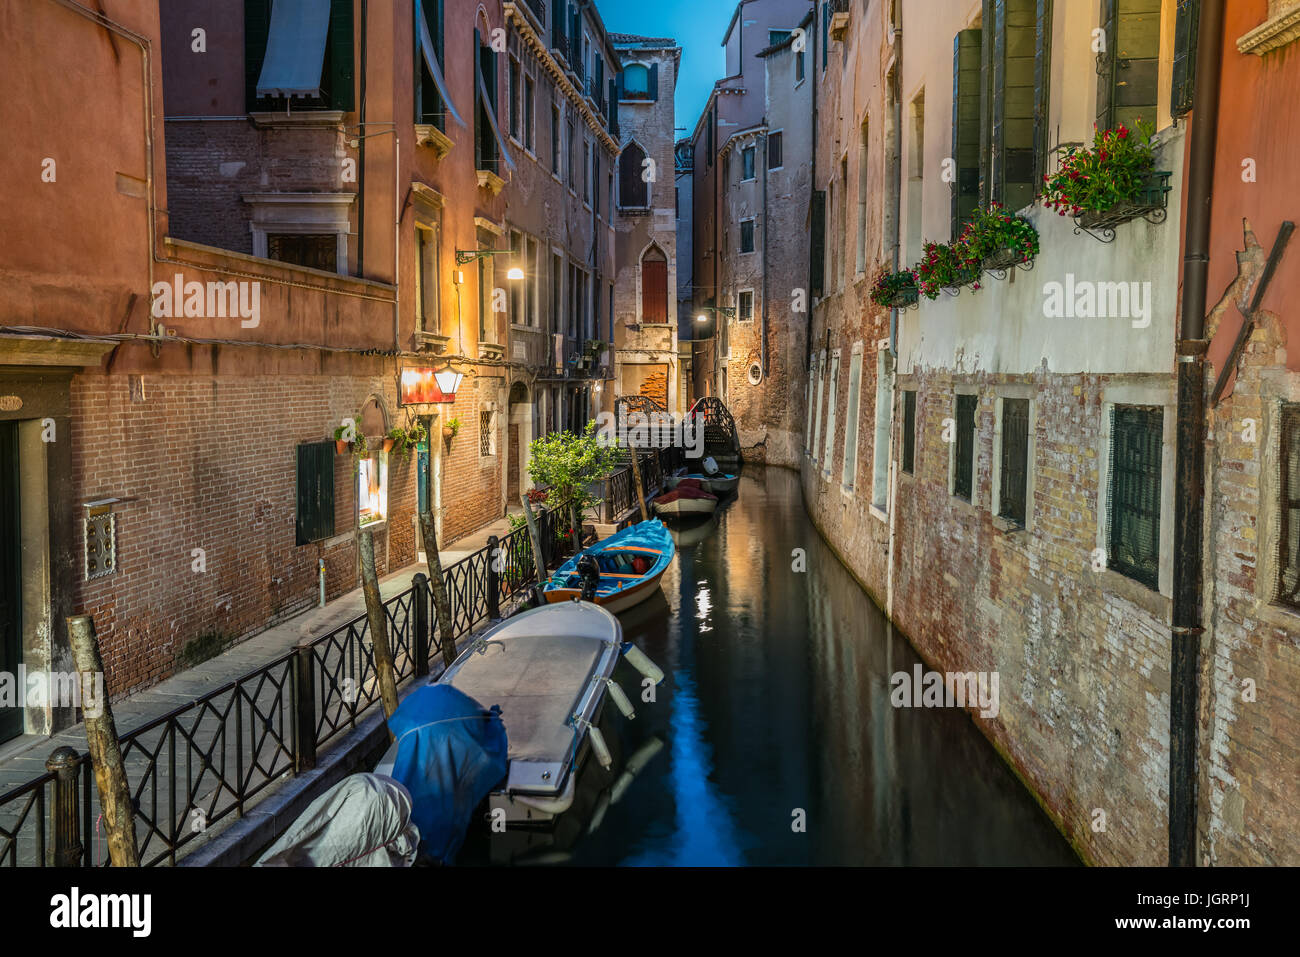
773,739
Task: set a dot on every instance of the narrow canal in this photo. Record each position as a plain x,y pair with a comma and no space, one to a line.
776,708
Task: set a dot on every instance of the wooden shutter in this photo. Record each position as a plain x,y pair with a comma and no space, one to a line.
632,189
965,126
1106,67
654,82
614,92
315,492
986,102
1011,129
818,259
257,28
1185,38
1042,91
342,74
654,290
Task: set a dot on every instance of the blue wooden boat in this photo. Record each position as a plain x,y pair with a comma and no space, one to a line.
718,483
617,573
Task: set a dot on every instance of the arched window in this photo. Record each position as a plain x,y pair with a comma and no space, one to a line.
636,81
654,286
633,190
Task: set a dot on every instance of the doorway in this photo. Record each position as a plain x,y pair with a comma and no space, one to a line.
11,600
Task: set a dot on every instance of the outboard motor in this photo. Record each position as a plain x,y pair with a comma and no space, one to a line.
589,571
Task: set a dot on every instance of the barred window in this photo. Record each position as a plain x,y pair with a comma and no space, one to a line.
909,432
1015,460
486,440
1133,513
964,468
1288,589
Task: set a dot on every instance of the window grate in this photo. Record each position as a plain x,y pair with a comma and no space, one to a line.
1015,460
964,483
1133,512
485,433
909,432
1288,590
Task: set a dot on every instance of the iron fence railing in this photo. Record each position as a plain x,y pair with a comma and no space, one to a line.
208,759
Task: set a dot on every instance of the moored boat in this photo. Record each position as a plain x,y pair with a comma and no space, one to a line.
685,500
617,573
720,484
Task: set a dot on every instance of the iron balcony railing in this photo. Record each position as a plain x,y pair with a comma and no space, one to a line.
208,759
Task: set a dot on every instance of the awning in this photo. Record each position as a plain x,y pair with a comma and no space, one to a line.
295,48
431,62
492,119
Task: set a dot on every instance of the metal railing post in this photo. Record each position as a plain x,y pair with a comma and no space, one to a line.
66,849
304,715
493,578
420,622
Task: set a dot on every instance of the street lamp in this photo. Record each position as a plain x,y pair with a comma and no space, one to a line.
466,256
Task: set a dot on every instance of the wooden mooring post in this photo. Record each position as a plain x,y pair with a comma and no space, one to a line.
438,585
539,559
640,489
105,751
378,626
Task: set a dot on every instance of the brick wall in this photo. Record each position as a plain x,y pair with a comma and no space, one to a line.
211,463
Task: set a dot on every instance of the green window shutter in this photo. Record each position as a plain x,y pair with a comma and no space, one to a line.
1106,67
818,264
966,61
986,103
1042,91
654,81
1129,72
1011,129
1185,36
257,27
342,76
315,519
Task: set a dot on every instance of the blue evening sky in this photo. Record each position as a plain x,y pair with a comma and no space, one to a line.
696,25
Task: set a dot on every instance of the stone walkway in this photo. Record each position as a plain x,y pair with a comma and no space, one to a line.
24,759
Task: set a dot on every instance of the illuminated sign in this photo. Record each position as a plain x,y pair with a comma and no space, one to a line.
420,387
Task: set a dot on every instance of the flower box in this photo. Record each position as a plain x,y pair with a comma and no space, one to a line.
1150,204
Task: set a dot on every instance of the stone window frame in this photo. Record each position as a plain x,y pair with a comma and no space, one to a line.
904,383
1161,392
1280,27
488,406
821,394
852,418
1280,389
1001,393
753,304
882,460
832,407
301,214
428,218
740,243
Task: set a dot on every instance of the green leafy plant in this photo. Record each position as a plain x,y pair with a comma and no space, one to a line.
889,287
569,465
360,448
1112,173
942,266
994,231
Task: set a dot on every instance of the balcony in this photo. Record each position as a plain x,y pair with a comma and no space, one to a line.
839,19
538,10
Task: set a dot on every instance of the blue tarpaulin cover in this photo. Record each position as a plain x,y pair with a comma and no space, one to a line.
450,754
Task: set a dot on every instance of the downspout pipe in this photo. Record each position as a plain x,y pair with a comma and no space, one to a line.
762,342
812,193
1189,488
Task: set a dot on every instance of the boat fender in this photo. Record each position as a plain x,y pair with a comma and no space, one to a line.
600,747
620,699
642,663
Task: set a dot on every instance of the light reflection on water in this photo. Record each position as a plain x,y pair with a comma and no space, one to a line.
776,702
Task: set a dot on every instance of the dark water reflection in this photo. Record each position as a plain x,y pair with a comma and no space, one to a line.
777,699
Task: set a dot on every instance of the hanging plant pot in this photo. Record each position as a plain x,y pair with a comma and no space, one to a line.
1003,259
448,432
388,445
341,446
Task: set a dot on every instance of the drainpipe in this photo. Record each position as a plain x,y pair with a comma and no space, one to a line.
361,159
1189,488
811,75
897,172
762,342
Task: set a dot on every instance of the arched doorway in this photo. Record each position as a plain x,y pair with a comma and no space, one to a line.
521,434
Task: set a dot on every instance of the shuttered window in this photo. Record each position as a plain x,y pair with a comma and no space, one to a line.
315,492
818,263
775,155
909,432
964,466
1186,31
1009,38
965,127
654,288
1128,82
1012,492
747,236
853,410
429,105
1133,511
633,190
1288,590
337,74
1042,90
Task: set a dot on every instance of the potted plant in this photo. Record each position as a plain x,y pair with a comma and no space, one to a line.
1113,182
894,290
997,240
450,428
340,442
941,267
360,448
392,438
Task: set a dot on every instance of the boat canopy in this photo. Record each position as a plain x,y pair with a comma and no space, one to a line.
363,821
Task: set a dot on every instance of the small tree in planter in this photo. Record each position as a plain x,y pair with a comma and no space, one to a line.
941,267
568,465
996,240
894,290
1116,173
